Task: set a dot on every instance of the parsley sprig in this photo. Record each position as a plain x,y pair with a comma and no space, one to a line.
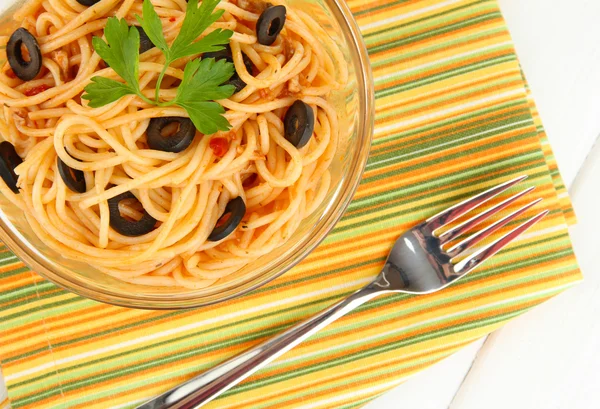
203,79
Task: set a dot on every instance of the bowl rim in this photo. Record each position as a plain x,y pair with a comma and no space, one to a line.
366,101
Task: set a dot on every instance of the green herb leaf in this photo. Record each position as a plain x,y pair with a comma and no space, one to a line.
196,21
202,81
121,50
213,41
103,91
207,116
153,27
201,84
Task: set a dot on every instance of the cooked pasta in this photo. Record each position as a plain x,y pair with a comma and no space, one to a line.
186,195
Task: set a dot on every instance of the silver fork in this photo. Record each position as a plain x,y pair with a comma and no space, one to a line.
418,263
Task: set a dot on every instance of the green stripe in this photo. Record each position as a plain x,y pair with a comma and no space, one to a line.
493,142
278,378
407,57
38,313
27,291
218,332
431,127
406,40
416,211
220,329
448,142
376,8
369,353
414,108
9,259
173,314
360,379
20,270
174,343
427,35
428,18
443,76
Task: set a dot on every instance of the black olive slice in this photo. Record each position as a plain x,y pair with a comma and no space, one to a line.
127,227
269,24
226,54
87,2
9,160
299,124
145,42
237,82
25,70
236,209
73,178
174,143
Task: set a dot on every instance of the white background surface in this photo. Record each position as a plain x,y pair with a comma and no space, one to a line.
550,357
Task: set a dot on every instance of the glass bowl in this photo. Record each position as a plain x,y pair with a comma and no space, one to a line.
355,107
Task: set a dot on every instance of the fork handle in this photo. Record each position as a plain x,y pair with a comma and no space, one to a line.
207,386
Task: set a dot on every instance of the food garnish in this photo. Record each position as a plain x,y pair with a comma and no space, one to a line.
269,24
203,78
9,160
130,228
235,209
26,67
299,124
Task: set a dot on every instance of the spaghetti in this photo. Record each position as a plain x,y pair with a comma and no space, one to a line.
186,192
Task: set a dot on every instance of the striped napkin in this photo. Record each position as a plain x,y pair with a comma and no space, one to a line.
454,116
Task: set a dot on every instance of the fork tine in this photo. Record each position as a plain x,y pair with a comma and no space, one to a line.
477,237
454,212
476,220
482,255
